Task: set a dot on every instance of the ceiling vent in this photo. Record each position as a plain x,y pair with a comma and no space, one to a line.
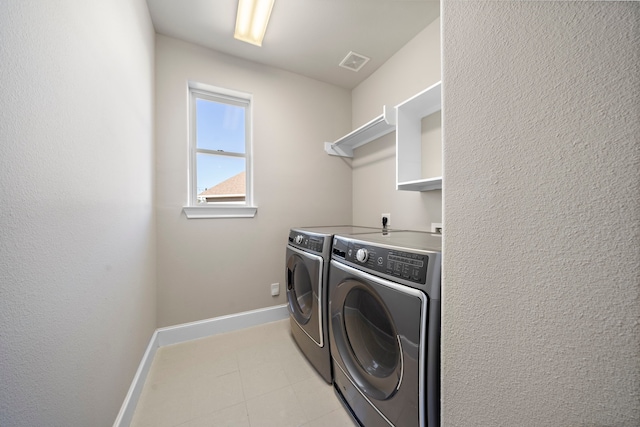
354,61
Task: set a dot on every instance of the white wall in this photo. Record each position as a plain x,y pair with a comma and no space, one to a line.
213,267
412,69
77,246
541,291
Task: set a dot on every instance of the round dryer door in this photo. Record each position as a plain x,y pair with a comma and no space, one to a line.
367,339
300,291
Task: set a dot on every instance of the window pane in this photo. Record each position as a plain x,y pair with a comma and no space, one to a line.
220,126
220,178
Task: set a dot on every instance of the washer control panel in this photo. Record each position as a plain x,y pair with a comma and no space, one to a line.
407,265
306,241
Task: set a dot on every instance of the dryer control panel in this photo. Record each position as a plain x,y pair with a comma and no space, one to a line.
306,241
405,264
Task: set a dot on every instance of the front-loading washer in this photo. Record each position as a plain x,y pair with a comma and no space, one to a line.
308,253
384,327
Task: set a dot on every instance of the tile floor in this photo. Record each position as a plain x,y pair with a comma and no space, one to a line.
256,377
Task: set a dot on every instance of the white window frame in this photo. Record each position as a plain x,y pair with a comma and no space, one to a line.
245,209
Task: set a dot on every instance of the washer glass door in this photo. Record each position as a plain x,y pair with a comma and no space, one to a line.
370,333
367,339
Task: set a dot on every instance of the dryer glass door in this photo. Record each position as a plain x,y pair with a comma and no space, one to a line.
299,289
304,285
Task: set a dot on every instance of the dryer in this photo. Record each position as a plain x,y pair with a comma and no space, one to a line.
384,327
308,253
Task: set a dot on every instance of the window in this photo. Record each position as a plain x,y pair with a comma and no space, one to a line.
220,153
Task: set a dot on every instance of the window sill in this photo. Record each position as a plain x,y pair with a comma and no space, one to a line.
198,212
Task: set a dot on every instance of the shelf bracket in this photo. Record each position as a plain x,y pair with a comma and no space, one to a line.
335,150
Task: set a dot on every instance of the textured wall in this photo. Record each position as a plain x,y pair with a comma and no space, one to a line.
213,267
412,69
541,306
77,246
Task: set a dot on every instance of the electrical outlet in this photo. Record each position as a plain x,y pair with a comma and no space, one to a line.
383,216
275,289
436,227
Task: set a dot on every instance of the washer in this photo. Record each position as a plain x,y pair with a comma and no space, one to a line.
308,254
384,326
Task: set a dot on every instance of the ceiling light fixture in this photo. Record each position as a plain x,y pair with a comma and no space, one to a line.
252,19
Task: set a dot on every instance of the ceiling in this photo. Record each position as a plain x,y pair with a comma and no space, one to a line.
308,37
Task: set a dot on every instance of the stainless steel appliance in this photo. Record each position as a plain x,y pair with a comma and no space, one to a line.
384,326
308,254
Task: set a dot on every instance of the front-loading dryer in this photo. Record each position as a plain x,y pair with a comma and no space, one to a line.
384,316
308,254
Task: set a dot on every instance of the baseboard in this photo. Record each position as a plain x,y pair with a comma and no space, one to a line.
131,400
218,325
187,332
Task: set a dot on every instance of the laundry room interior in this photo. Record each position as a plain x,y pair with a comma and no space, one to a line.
110,267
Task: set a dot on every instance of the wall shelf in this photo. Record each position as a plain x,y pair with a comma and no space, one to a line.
421,184
409,173
368,132
406,120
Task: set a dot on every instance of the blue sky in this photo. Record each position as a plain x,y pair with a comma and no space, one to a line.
219,127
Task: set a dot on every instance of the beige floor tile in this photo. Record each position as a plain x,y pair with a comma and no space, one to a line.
287,347
211,394
263,353
299,369
279,408
217,345
156,396
315,397
171,413
263,378
213,365
250,378
336,418
255,336
175,353
233,416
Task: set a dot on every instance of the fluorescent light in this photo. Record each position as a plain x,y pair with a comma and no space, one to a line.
252,19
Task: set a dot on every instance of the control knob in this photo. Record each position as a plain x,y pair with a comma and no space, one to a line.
299,239
362,254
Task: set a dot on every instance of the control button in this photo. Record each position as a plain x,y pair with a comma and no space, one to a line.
362,255
299,239
380,260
